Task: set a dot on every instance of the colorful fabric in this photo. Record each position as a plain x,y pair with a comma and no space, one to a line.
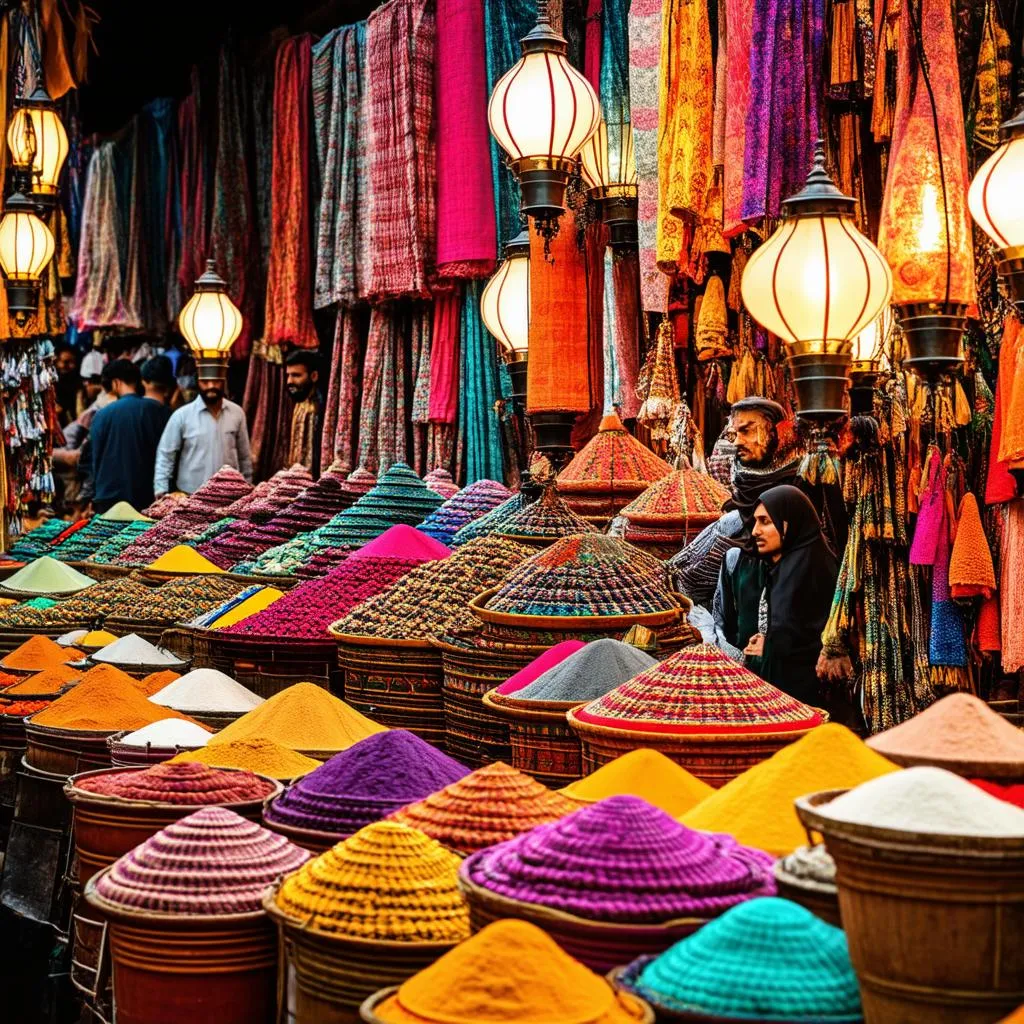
341,124
624,328
971,569
192,188
466,245
400,42
1011,378
156,151
343,390
479,389
382,439
288,312
739,17
1000,485
445,361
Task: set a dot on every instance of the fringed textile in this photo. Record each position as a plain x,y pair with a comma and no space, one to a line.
663,395
341,414
400,41
444,357
785,89
232,223
382,437
1011,587
479,390
645,17
342,129
467,240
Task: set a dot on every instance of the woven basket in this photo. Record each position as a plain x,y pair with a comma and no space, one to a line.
543,745
65,751
602,625
598,944
11,641
148,629
101,571
815,898
713,758
280,582
625,977
124,756
995,771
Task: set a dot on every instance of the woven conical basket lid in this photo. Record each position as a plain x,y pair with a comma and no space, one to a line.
387,882
488,522
622,860
699,690
685,496
440,481
585,574
548,518
488,806
212,862
463,507
612,460
359,481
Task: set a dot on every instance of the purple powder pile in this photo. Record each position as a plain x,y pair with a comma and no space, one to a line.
365,783
622,860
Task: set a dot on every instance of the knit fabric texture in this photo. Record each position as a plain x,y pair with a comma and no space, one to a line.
612,461
971,570
488,806
767,960
187,783
622,860
675,507
486,524
387,882
548,518
211,862
699,690
462,508
440,481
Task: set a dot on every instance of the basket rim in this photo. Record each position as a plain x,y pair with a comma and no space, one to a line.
537,710
807,809
52,730
85,796
988,770
295,831
358,640
554,623
53,695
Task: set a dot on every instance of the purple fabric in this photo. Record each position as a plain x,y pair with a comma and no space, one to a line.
622,860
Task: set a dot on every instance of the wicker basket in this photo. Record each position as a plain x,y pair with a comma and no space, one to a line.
713,758
598,944
1006,773
124,756
314,840
625,977
543,745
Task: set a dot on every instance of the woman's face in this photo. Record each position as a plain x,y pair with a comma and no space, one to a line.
766,536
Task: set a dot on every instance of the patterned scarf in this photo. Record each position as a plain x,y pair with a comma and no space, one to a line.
343,389
479,389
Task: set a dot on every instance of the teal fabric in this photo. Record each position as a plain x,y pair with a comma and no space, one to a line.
615,75
767,960
479,388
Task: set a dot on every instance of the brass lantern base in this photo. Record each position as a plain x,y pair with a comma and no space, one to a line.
1011,270
618,205
211,367
821,380
542,184
552,436
517,371
22,300
863,379
933,331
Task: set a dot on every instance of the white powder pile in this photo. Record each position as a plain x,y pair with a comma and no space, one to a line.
813,866
72,638
134,650
168,732
206,689
927,800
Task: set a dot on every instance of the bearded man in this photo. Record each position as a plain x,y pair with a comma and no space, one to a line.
302,376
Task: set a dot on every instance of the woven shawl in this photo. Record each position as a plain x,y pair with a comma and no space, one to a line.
444,357
382,438
192,189
479,389
739,18
343,389
400,42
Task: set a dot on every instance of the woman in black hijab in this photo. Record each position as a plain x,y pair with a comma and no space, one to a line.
801,582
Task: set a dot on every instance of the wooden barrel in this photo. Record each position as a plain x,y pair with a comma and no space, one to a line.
66,751
395,682
935,923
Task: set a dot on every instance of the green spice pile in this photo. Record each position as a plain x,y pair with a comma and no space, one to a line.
37,542
434,598
84,542
109,550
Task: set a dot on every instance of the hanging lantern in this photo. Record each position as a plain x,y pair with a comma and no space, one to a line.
26,247
817,282
609,169
505,309
868,362
924,232
996,201
38,144
210,322
541,112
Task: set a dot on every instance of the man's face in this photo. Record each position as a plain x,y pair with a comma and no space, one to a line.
299,381
753,436
212,391
66,363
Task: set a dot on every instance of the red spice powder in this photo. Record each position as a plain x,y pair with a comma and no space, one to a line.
187,782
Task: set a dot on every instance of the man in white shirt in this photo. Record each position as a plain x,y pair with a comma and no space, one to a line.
199,438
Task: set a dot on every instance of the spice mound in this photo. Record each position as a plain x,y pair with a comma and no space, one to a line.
265,757
168,732
767,956
180,784
622,860
47,576
508,971
647,774
38,653
589,673
156,681
492,804
303,717
105,700
207,689
549,659
386,882
50,680
212,862
757,806
135,650
365,783
183,558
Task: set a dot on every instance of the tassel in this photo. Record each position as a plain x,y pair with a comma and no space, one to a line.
659,406
712,332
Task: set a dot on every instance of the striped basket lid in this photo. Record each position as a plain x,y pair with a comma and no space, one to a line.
223,488
487,523
464,507
684,497
189,782
488,806
764,945
211,862
622,860
547,518
360,481
585,574
387,882
612,460
440,481
699,690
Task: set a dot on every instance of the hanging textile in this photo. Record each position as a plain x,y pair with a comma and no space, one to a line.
625,279
592,45
156,139
645,17
506,22
400,40
193,189
739,42
126,178
268,410
445,359
467,240
1011,587
479,389
232,221
1000,484
685,117
595,243
991,99
339,118
262,83
288,312
783,119
419,361
614,91
382,438
341,412
558,377
56,69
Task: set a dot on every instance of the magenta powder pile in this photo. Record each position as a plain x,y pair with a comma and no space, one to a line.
365,783
549,659
187,783
305,612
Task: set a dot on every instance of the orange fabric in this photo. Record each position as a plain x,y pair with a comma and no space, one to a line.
986,633
558,378
56,68
1000,485
971,570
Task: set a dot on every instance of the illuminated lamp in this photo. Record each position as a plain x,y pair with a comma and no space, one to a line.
210,322
609,169
26,247
39,146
